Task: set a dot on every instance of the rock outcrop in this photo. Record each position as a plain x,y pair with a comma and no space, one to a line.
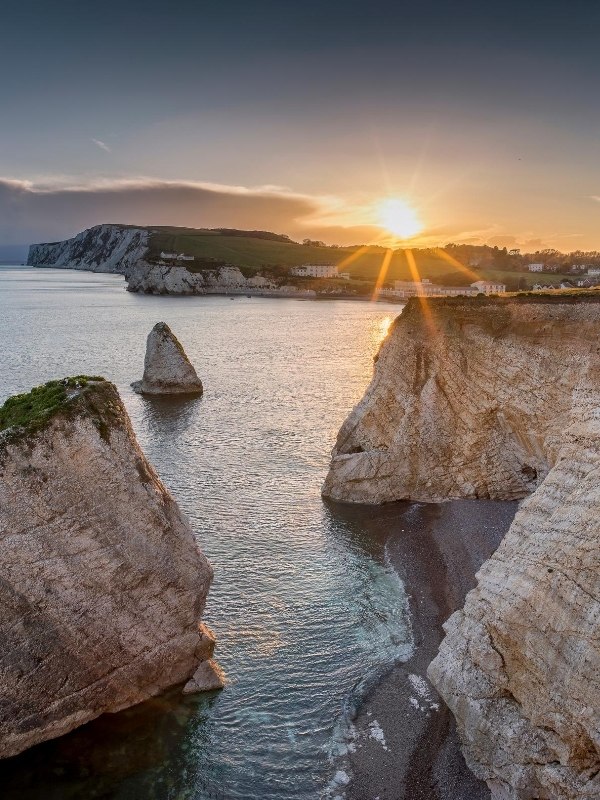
501,398
469,398
520,664
167,369
103,248
102,584
166,279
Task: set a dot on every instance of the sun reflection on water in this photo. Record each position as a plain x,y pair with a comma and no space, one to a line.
380,329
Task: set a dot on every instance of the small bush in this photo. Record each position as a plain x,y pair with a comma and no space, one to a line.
40,403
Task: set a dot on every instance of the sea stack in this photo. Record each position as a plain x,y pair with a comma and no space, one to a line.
167,369
102,584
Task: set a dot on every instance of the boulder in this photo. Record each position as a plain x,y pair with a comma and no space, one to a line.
167,369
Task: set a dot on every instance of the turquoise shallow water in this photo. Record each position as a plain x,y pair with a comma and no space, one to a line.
306,609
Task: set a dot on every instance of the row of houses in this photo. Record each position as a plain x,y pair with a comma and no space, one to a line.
581,283
425,288
588,269
176,257
319,271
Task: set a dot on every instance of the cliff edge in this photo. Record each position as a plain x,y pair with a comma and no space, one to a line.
520,664
469,398
102,584
500,398
103,248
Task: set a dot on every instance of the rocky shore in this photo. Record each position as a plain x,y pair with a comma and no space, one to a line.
403,743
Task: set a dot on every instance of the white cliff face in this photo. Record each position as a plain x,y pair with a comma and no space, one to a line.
103,248
520,664
102,584
163,279
167,369
470,399
159,279
501,399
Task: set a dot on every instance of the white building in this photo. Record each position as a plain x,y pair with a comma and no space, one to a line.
535,267
176,256
315,271
426,288
489,287
594,271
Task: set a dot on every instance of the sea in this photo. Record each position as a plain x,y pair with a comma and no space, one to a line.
305,604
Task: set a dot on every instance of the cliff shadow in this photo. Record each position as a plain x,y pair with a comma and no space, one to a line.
146,751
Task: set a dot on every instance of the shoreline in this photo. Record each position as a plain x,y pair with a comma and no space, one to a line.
301,294
404,744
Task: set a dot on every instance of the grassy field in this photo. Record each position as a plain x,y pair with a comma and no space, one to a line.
252,254
526,279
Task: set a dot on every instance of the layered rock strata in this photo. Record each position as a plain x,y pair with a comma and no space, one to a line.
103,248
167,369
501,398
520,664
102,584
469,398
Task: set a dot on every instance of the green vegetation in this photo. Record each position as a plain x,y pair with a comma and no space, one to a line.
570,296
244,249
37,406
454,265
524,280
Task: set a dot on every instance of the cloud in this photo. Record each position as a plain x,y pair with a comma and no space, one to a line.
102,145
57,209
595,197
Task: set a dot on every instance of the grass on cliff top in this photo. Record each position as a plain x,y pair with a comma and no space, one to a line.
38,405
570,296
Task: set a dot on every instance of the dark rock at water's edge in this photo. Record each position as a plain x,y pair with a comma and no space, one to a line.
102,585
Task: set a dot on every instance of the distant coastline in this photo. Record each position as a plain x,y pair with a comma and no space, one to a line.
269,260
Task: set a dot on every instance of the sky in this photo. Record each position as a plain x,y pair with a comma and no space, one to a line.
303,117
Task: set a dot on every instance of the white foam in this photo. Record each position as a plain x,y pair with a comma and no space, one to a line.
376,732
337,783
420,686
341,778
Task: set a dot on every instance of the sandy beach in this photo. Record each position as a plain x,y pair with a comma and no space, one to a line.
405,745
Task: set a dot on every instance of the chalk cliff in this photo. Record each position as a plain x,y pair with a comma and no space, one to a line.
167,369
163,279
102,585
159,279
520,664
469,398
501,399
103,248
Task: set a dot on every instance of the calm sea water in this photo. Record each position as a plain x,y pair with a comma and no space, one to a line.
305,606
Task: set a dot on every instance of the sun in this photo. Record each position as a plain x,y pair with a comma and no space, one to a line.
399,218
